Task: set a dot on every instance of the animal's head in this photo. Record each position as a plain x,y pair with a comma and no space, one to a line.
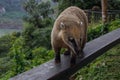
71,35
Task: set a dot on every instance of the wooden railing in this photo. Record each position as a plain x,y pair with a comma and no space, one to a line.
95,16
62,71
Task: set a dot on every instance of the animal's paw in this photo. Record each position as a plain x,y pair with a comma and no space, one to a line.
57,61
73,61
72,64
81,55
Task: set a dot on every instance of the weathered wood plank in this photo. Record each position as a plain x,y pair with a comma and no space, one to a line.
62,71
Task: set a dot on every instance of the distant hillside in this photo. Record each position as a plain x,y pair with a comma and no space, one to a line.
12,5
15,12
16,5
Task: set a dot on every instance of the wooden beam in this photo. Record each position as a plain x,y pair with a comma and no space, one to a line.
62,71
104,11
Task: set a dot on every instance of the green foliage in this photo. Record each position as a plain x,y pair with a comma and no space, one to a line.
34,17
32,36
84,4
22,62
87,4
41,55
18,56
6,43
63,4
114,4
37,26
5,65
31,48
114,25
45,9
105,67
37,12
42,36
94,32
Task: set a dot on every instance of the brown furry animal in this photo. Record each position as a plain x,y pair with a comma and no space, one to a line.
69,31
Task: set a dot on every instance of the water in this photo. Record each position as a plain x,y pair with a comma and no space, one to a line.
8,31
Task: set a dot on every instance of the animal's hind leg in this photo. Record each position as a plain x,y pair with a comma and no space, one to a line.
81,53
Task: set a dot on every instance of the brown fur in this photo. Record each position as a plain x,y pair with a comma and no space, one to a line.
72,22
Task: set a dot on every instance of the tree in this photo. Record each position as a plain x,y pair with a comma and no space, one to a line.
37,12
25,51
37,19
83,4
113,4
104,11
87,4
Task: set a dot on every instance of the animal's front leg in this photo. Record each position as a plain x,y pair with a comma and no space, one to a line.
73,59
81,54
57,56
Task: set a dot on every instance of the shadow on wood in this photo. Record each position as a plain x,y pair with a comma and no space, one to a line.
62,71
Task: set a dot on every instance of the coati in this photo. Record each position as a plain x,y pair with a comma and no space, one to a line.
69,31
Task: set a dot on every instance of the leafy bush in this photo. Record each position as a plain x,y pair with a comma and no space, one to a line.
18,56
6,43
86,4
5,65
25,58
37,27
36,37
41,55
114,25
96,31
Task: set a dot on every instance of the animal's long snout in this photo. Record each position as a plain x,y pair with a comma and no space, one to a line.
77,50
75,46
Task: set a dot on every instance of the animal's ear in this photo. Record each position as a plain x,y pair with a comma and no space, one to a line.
62,25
